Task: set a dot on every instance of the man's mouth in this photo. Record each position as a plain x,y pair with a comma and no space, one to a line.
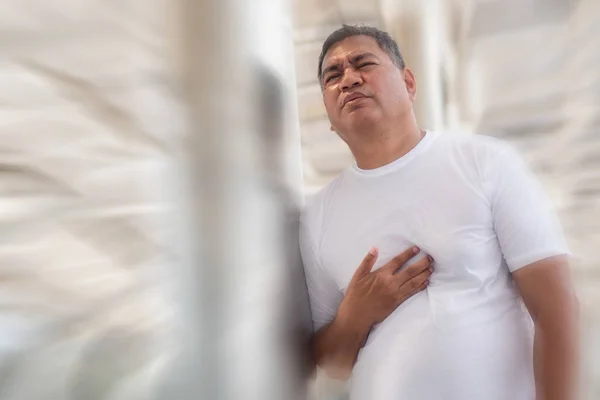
353,97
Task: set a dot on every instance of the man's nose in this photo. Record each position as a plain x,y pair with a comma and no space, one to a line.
350,79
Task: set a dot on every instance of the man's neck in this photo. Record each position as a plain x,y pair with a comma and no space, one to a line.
384,147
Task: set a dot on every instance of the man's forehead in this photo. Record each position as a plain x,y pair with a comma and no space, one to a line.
351,47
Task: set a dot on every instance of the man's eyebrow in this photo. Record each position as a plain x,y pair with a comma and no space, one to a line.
359,57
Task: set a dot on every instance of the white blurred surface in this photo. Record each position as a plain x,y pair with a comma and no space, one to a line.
85,120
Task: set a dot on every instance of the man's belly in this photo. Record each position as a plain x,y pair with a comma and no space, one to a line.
412,356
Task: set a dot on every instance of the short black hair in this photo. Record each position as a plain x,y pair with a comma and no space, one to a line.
383,39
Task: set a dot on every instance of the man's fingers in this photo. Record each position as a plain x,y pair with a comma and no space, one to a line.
415,282
405,295
401,259
414,270
367,264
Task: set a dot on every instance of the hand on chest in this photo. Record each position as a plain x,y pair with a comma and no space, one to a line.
459,238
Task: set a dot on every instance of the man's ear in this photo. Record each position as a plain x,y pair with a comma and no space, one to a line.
411,83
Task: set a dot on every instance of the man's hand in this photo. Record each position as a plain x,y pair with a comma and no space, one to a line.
371,296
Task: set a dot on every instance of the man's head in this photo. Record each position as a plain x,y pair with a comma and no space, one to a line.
364,80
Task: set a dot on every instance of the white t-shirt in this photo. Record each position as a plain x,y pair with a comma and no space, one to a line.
470,202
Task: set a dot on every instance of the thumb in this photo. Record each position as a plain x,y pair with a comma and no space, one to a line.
367,263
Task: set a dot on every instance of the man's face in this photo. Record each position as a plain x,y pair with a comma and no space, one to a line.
361,86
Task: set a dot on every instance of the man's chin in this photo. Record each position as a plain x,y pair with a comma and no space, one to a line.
358,114
357,121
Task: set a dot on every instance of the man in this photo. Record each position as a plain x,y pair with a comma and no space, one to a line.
471,205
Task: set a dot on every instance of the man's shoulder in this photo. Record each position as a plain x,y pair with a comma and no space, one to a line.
477,147
474,141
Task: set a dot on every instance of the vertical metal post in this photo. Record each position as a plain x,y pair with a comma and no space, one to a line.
243,302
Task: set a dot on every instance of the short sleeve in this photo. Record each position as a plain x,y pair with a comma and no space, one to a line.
323,293
525,221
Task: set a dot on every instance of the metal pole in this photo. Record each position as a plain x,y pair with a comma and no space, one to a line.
244,309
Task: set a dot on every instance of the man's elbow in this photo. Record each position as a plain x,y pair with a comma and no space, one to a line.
333,369
336,372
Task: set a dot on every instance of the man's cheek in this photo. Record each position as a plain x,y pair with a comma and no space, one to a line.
332,111
330,102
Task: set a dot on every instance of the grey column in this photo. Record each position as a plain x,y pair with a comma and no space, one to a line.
243,304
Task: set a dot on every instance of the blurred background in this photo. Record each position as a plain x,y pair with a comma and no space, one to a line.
154,156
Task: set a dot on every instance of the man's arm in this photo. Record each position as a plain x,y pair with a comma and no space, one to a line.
370,298
532,243
336,345
546,289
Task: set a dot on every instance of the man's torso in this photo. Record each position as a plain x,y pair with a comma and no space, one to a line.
466,335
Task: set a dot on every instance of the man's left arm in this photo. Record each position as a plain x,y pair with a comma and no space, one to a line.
548,294
535,250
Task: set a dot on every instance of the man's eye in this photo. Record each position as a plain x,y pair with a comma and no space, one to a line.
330,77
366,64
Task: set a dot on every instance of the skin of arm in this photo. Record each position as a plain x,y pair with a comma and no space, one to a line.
335,347
549,296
